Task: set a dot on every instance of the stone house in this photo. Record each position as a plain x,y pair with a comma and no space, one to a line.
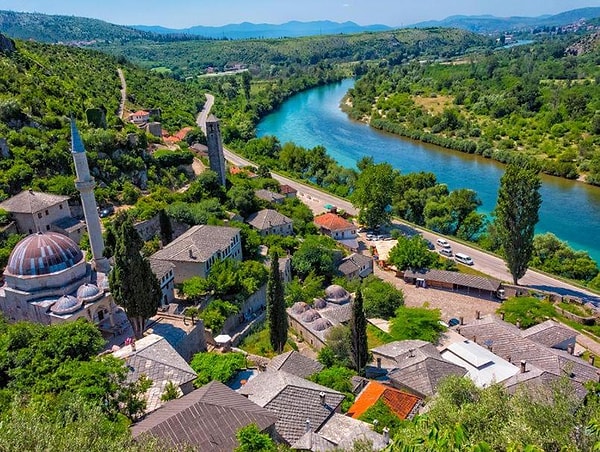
269,221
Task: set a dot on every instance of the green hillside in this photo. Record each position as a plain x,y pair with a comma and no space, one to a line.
269,57
41,85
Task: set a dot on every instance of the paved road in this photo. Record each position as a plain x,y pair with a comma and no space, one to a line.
123,92
203,115
484,262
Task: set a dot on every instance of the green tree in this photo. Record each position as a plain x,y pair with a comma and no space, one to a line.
416,323
516,214
358,335
412,253
381,299
216,366
373,194
338,342
315,254
276,314
251,439
132,282
166,228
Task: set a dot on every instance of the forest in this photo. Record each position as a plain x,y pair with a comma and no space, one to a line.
538,100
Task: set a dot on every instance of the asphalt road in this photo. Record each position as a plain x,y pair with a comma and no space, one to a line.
484,262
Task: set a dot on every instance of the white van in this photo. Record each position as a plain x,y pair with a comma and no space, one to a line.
463,259
446,252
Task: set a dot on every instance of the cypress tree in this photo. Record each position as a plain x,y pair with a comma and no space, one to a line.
516,213
358,335
166,229
132,283
276,314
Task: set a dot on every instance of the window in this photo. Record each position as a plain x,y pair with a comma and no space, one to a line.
31,231
47,213
39,214
60,206
47,227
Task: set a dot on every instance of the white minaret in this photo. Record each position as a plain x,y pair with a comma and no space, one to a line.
85,185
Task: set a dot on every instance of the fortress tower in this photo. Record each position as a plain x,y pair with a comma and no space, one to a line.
85,185
215,148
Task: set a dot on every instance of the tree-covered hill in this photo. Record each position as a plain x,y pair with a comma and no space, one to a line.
535,100
267,57
47,28
42,85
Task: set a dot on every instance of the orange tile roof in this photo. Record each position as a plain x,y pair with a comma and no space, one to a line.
333,222
399,402
140,113
182,133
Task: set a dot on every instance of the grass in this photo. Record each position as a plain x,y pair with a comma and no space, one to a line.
377,337
576,309
258,343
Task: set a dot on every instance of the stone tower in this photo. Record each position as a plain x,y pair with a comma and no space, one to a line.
85,185
215,148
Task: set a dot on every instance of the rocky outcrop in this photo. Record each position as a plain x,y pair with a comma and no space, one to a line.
584,45
7,45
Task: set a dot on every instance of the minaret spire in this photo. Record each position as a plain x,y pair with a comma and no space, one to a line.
85,185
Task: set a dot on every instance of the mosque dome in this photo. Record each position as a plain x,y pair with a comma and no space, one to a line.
300,307
43,254
310,316
88,292
319,303
321,324
67,304
337,294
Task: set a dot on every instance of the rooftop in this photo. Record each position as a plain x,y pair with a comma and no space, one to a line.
29,201
461,279
266,219
550,333
294,400
353,263
198,244
401,403
286,190
332,222
296,364
161,268
155,358
206,419
269,195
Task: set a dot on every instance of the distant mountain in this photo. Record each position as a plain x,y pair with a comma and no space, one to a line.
491,24
46,28
248,30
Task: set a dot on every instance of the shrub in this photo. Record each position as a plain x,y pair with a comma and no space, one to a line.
215,366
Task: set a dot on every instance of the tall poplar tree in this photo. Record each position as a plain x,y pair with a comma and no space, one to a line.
132,282
358,334
276,314
516,214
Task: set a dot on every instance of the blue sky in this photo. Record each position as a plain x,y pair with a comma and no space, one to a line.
185,13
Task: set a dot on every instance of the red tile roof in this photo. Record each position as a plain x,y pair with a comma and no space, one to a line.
333,222
399,402
286,190
140,113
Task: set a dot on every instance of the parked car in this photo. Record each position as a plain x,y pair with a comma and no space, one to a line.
430,245
446,252
443,243
106,211
463,259
370,236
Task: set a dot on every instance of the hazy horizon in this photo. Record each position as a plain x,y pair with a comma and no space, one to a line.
182,14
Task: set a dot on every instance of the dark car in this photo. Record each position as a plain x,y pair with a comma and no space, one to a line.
107,211
429,244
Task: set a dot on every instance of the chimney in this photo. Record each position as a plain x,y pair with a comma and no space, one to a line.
322,396
475,339
411,353
509,359
518,324
386,435
308,425
478,315
462,320
502,315
571,349
133,345
592,359
379,363
191,253
523,366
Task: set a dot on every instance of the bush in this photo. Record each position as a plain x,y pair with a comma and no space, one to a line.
417,323
216,366
529,311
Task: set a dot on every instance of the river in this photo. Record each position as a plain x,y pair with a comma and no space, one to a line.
570,210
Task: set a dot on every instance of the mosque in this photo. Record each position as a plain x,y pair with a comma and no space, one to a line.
48,279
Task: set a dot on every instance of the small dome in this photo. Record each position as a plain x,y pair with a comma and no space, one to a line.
88,292
42,254
310,316
300,307
337,294
321,324
319,303
67,304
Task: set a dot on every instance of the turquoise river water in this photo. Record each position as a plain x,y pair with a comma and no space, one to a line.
570,210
